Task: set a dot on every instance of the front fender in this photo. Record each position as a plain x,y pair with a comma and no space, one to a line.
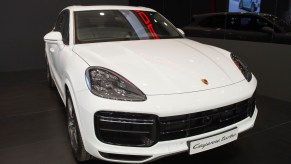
74,81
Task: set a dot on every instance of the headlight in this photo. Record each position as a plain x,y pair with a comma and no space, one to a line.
108,84
242,67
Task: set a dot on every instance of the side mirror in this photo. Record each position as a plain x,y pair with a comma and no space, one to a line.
181,32
267,29
54,37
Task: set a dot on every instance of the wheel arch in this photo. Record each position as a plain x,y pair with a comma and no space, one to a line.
69,91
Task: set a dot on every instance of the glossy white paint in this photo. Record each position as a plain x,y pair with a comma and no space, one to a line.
53,37
168,71
107,7
168,66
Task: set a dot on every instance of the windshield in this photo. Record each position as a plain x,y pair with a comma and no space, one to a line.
279,22
119,25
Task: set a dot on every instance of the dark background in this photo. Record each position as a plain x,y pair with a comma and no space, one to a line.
23,26
32,116
24,23
180,12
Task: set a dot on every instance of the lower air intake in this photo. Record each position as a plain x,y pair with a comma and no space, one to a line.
145,130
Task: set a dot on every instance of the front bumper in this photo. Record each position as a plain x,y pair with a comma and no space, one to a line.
162,106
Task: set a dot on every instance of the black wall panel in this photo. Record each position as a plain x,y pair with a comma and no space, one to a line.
179,11
157,5
23,25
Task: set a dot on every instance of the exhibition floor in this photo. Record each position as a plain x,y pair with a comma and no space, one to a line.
33,131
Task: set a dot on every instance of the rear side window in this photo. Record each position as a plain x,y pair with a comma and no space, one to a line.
246,23
213,22
260,23
234,22
242,23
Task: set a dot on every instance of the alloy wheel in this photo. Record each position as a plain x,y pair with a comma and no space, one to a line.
50,81
72,126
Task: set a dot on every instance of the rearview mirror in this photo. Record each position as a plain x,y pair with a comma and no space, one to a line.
181,32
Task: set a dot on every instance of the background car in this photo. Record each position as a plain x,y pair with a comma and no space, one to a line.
135,89
250,5
240,26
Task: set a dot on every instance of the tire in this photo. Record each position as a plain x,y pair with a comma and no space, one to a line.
240,5
50,80
76,141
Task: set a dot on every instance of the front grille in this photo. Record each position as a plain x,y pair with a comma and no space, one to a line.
183,126
144,130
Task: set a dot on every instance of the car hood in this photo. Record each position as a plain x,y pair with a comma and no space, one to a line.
166,66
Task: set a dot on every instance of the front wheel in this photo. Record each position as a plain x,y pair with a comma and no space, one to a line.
50,80
74,133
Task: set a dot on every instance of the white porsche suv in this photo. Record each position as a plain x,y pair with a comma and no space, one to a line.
136,90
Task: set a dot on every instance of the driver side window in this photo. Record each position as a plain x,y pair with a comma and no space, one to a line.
62,25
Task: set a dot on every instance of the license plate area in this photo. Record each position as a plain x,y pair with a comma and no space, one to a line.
211,142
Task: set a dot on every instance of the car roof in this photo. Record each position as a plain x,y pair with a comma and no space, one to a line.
107,7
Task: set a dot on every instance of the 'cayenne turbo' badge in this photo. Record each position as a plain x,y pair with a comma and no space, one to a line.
205,81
